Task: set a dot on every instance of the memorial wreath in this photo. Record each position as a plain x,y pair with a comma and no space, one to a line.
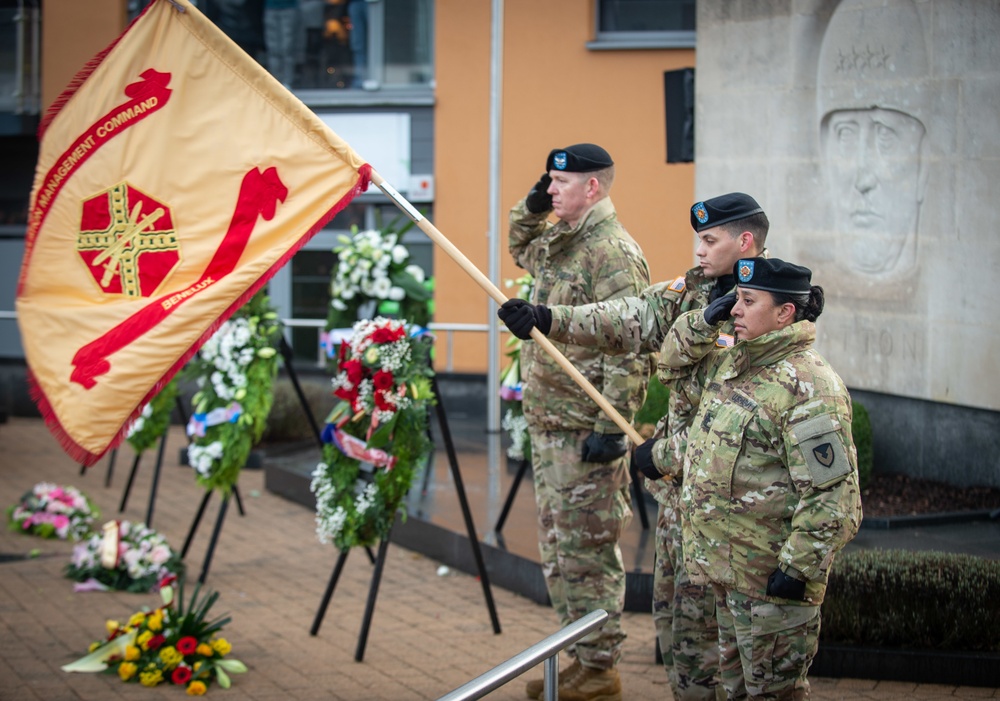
234,371
124,556
376,435
514,422
154,419
373,276
53,511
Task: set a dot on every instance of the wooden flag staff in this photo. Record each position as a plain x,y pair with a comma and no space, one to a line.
498,296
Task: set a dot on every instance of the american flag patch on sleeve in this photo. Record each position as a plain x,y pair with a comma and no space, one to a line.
678,285
725,341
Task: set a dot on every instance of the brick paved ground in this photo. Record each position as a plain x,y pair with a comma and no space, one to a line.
429,635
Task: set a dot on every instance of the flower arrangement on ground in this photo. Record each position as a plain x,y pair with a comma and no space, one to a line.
125,556
376,435
53,511
374,277
173,644
234,371
514,421
154,420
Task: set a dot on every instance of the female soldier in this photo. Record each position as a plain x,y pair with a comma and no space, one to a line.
770,489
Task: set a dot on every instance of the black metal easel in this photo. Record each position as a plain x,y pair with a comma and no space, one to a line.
522,467
640,500
111,467
156,479
286,353
384,545
215,531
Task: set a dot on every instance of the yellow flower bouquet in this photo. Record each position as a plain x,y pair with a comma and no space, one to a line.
172,643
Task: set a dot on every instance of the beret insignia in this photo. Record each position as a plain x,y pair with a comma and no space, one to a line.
700,213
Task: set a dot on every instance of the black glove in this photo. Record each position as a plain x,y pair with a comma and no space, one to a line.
642,460
604,447
781,585
719,310
723,284
539,200
520,317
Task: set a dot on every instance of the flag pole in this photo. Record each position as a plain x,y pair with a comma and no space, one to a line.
493,291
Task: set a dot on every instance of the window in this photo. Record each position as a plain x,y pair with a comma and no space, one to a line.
20,77
335,44
644,24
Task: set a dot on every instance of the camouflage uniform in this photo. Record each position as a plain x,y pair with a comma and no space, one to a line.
770,478
683,612
582,507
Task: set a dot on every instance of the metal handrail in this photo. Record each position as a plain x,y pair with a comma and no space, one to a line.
547,650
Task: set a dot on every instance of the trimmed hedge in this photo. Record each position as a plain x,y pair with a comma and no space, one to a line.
913,600
287,420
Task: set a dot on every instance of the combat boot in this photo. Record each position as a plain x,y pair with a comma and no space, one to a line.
536,687
591,684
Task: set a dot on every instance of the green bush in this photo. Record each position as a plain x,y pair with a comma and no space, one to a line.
287,420
655,406
861,428
914,600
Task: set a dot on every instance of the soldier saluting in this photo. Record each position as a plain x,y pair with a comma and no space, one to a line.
771,490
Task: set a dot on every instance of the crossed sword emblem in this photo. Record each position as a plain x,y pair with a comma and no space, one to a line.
113,253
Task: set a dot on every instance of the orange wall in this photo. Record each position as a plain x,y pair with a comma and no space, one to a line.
555,93
73,32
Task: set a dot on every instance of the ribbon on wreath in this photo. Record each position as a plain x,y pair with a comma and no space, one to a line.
199,423
356,448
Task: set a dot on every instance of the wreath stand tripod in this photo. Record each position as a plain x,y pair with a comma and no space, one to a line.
384,545
286,354
156,470
201,511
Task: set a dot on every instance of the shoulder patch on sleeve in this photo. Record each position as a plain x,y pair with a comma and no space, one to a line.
678,285
822,448
725,341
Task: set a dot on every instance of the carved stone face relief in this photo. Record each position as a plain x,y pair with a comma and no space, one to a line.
871,109
873,167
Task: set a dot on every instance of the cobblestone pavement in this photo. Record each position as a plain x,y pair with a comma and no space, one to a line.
430,633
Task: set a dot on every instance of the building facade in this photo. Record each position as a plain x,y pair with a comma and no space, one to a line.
408,84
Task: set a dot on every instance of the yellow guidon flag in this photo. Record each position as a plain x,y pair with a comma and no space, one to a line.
175,176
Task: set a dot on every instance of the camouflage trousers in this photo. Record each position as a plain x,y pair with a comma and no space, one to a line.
766,648
683,612
583,508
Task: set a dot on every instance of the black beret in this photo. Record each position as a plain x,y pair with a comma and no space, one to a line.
772,275
723,209
578,158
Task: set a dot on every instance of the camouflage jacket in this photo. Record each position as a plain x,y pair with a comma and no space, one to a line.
594,261
640,324
770,472
636,323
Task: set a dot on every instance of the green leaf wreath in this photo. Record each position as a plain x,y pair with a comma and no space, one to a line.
154,420
374,276
235,372
376,436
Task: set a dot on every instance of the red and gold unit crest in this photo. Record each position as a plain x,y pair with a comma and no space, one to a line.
127,241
